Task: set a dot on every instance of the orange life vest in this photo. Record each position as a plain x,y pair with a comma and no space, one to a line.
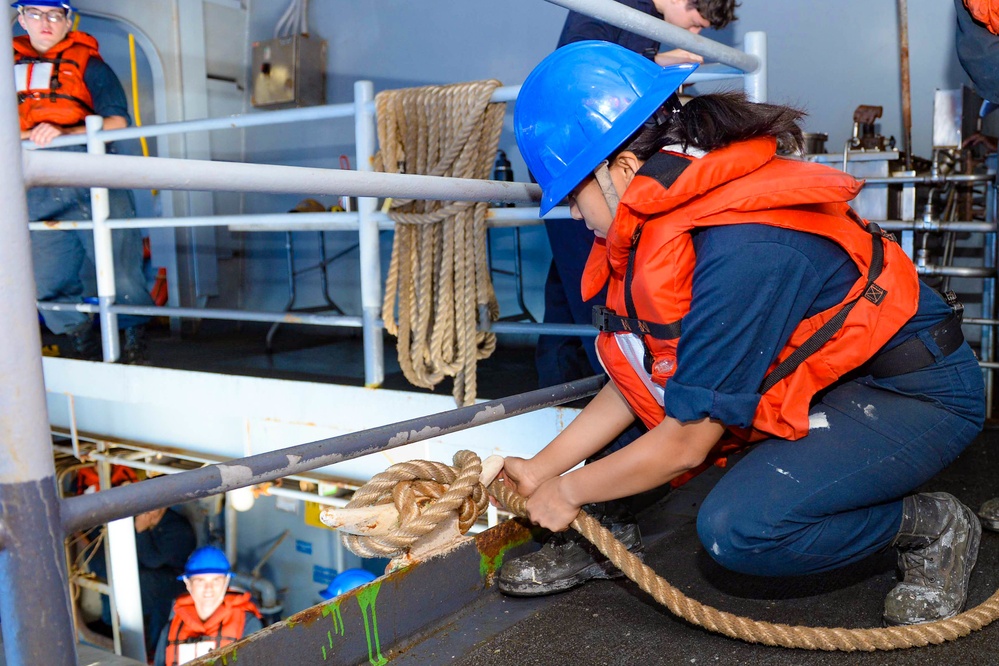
985,12
648,260
190,633
50,86
88,481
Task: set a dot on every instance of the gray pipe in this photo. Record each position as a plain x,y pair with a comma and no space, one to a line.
63,169
268,592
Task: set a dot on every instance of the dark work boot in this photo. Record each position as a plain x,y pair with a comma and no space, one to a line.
937,547
989,514
86,341
133,351
567,559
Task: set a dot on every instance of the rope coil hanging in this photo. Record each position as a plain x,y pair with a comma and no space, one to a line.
467,466
438,288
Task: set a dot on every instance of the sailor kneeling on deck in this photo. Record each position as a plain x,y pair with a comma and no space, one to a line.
749,308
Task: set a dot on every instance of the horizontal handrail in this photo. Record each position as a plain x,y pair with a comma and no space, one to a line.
43,168
86,511
496,218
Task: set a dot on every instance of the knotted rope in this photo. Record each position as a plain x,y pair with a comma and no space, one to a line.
467,466
438,285
425,493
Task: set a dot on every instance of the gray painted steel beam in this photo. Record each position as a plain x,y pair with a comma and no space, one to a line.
35,607
377,622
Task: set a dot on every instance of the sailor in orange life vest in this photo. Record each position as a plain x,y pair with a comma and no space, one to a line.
210,616
748,308
61,79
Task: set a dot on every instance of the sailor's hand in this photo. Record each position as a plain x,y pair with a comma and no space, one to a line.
43,133
676,56
550,508
518,475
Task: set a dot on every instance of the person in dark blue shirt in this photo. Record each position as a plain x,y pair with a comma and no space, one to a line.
52,103
978,51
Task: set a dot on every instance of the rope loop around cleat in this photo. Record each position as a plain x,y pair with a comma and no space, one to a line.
425,493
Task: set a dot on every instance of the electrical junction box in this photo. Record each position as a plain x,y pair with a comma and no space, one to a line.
289,71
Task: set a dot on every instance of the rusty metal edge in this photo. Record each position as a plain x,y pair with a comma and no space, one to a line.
383,619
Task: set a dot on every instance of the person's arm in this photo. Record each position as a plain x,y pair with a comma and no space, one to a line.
168,542
603,419
676,56
108,99
655,458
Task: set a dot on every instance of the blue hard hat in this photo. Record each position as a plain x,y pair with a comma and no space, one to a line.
65,4
206,560
346,581
582,102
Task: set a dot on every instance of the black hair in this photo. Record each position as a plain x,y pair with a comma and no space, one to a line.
719,13
713,121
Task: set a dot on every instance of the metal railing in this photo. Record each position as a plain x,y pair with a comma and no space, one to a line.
44,168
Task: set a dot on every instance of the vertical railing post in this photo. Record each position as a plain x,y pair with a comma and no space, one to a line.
123,576
35,605
103,255
755,83
125,586
371,265
987,351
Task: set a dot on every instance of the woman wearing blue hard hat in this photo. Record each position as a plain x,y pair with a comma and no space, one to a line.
749,308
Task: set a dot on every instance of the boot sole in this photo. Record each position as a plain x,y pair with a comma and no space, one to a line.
974,542
596,571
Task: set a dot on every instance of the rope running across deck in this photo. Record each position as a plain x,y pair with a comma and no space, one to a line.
465,491
438,285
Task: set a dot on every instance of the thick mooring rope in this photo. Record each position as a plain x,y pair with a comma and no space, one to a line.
465,472
438,283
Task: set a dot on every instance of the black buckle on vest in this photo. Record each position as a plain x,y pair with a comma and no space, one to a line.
600,318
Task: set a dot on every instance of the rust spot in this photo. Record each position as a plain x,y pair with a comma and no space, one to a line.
493,545
306,617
